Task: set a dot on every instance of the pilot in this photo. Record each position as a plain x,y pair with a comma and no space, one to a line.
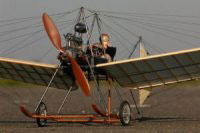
108,50
102,50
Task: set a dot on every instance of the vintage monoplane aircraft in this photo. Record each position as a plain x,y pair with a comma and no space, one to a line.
80,67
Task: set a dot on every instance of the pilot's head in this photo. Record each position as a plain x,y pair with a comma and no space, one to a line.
104,40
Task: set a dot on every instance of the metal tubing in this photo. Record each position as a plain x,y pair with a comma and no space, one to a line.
48,87
98,23
95,121
88,37
97,86
63,116
64,99
118,93
87,30
134,101
109,99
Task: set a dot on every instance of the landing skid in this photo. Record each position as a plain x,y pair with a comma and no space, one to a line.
81,118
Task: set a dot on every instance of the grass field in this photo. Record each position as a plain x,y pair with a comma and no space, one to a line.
13,83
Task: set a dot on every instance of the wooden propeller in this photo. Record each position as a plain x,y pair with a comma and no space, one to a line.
55,38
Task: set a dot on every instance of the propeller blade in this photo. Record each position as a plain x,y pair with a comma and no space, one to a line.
80,76
52,31
56,40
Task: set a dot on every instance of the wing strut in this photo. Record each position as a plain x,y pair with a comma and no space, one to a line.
68,92
138,111
48,86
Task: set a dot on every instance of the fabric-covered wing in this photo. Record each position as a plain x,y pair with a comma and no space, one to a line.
32,72
155,70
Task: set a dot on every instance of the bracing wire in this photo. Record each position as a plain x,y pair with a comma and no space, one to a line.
158,26
133,34
117,35
13,48
157,49
27,34
130,43
157,32
154,21
39,17
8,51
35,25
143,14
30,34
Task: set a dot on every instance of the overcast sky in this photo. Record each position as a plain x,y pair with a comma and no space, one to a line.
21,8
12,9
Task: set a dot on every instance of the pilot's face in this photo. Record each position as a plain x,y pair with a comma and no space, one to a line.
105,41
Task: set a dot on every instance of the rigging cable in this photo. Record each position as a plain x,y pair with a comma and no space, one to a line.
116,34
8,51
160,33
172,27
156,26
143,14
39,17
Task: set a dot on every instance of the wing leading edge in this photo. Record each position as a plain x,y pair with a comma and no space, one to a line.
32,72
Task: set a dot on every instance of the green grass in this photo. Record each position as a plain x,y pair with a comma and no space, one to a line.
13,83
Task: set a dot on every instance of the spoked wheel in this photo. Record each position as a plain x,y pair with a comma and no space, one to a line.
42,110
125,113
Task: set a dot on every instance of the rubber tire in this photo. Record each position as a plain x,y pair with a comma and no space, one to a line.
121,113
41,122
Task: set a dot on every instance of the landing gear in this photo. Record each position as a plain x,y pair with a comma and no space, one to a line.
125,113
42,110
